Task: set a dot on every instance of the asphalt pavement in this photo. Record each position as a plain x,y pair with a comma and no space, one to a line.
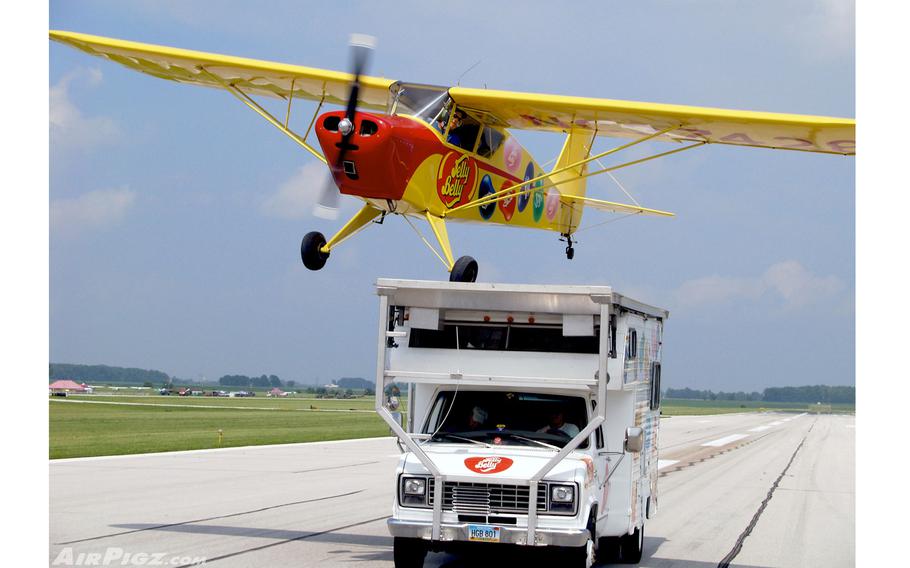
757,490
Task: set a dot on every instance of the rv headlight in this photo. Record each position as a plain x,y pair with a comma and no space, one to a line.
562,493
415,486
413,492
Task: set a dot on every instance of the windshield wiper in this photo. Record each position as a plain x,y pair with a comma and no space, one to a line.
538,442
457,437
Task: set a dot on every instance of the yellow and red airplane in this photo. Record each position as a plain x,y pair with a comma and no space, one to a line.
445,153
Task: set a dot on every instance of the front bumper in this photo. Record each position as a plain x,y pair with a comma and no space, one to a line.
458,532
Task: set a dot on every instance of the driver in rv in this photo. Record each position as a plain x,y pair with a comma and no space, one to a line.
557,425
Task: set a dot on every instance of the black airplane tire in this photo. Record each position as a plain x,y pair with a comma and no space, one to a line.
312,257
465,270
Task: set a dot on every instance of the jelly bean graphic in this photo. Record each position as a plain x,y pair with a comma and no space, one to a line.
507,205
525,197
512,153
486,188
552,203
537,196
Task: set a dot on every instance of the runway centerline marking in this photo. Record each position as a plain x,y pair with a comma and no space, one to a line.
665,463
759,428
725,440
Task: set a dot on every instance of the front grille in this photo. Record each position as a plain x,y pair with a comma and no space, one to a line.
486,498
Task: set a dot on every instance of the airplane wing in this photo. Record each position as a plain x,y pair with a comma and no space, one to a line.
628,119
252,76
613,207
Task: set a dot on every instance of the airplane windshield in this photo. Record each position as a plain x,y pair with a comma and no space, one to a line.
426,102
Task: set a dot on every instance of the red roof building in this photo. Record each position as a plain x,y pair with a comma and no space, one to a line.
66,386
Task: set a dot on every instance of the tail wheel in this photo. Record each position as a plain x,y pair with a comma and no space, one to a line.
313,258
465,270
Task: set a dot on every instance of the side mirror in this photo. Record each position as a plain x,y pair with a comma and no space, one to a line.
635,440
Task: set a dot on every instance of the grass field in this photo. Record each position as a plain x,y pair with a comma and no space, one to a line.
154,423
78,430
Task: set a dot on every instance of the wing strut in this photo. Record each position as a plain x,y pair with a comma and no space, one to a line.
245,99
495,198
505,193
442,236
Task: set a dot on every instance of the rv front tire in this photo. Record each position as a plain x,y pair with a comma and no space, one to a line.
408,552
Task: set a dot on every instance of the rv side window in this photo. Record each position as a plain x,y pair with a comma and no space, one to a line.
632,344
655,385
504,338
436,414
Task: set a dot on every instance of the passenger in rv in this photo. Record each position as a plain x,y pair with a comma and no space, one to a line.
557,425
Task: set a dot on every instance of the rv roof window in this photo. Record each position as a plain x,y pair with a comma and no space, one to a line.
547,339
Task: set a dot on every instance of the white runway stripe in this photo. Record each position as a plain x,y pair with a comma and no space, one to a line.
725,440
776,423
759,429
665,463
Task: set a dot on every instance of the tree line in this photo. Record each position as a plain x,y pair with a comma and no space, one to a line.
809,394
105,374
260,381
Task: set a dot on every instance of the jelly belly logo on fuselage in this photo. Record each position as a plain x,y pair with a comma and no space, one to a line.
455,180
489,464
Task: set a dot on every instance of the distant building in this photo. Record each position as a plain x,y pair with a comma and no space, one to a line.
65,385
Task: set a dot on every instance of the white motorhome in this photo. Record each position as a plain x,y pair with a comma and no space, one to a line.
517,390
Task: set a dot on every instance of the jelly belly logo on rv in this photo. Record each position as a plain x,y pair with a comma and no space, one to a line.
455,179
490,464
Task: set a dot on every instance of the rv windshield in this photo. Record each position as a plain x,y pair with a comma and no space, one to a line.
506,418
429,103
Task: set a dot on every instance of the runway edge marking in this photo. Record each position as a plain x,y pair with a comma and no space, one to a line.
213,450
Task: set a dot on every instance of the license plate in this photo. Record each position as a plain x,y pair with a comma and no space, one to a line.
483,533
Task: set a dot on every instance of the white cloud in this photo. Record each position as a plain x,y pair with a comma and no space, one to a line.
296,197
787,283
95,209
828,30
69,127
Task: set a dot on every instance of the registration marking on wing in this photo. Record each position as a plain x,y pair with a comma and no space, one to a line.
484,533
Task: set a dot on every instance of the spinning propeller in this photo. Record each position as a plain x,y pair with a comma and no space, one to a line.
361,47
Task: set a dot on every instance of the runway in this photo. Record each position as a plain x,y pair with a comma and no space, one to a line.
757,490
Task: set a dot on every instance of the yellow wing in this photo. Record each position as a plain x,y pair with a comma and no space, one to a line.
628,119
254,77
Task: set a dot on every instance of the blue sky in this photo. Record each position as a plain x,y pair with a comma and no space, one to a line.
176,213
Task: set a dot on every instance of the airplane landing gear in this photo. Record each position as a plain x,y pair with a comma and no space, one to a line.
465,270
313,258
570,250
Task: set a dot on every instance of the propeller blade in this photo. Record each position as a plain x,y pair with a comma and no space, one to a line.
361,48
327,204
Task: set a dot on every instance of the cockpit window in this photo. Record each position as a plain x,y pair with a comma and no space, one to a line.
462,130
490,141
426,102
